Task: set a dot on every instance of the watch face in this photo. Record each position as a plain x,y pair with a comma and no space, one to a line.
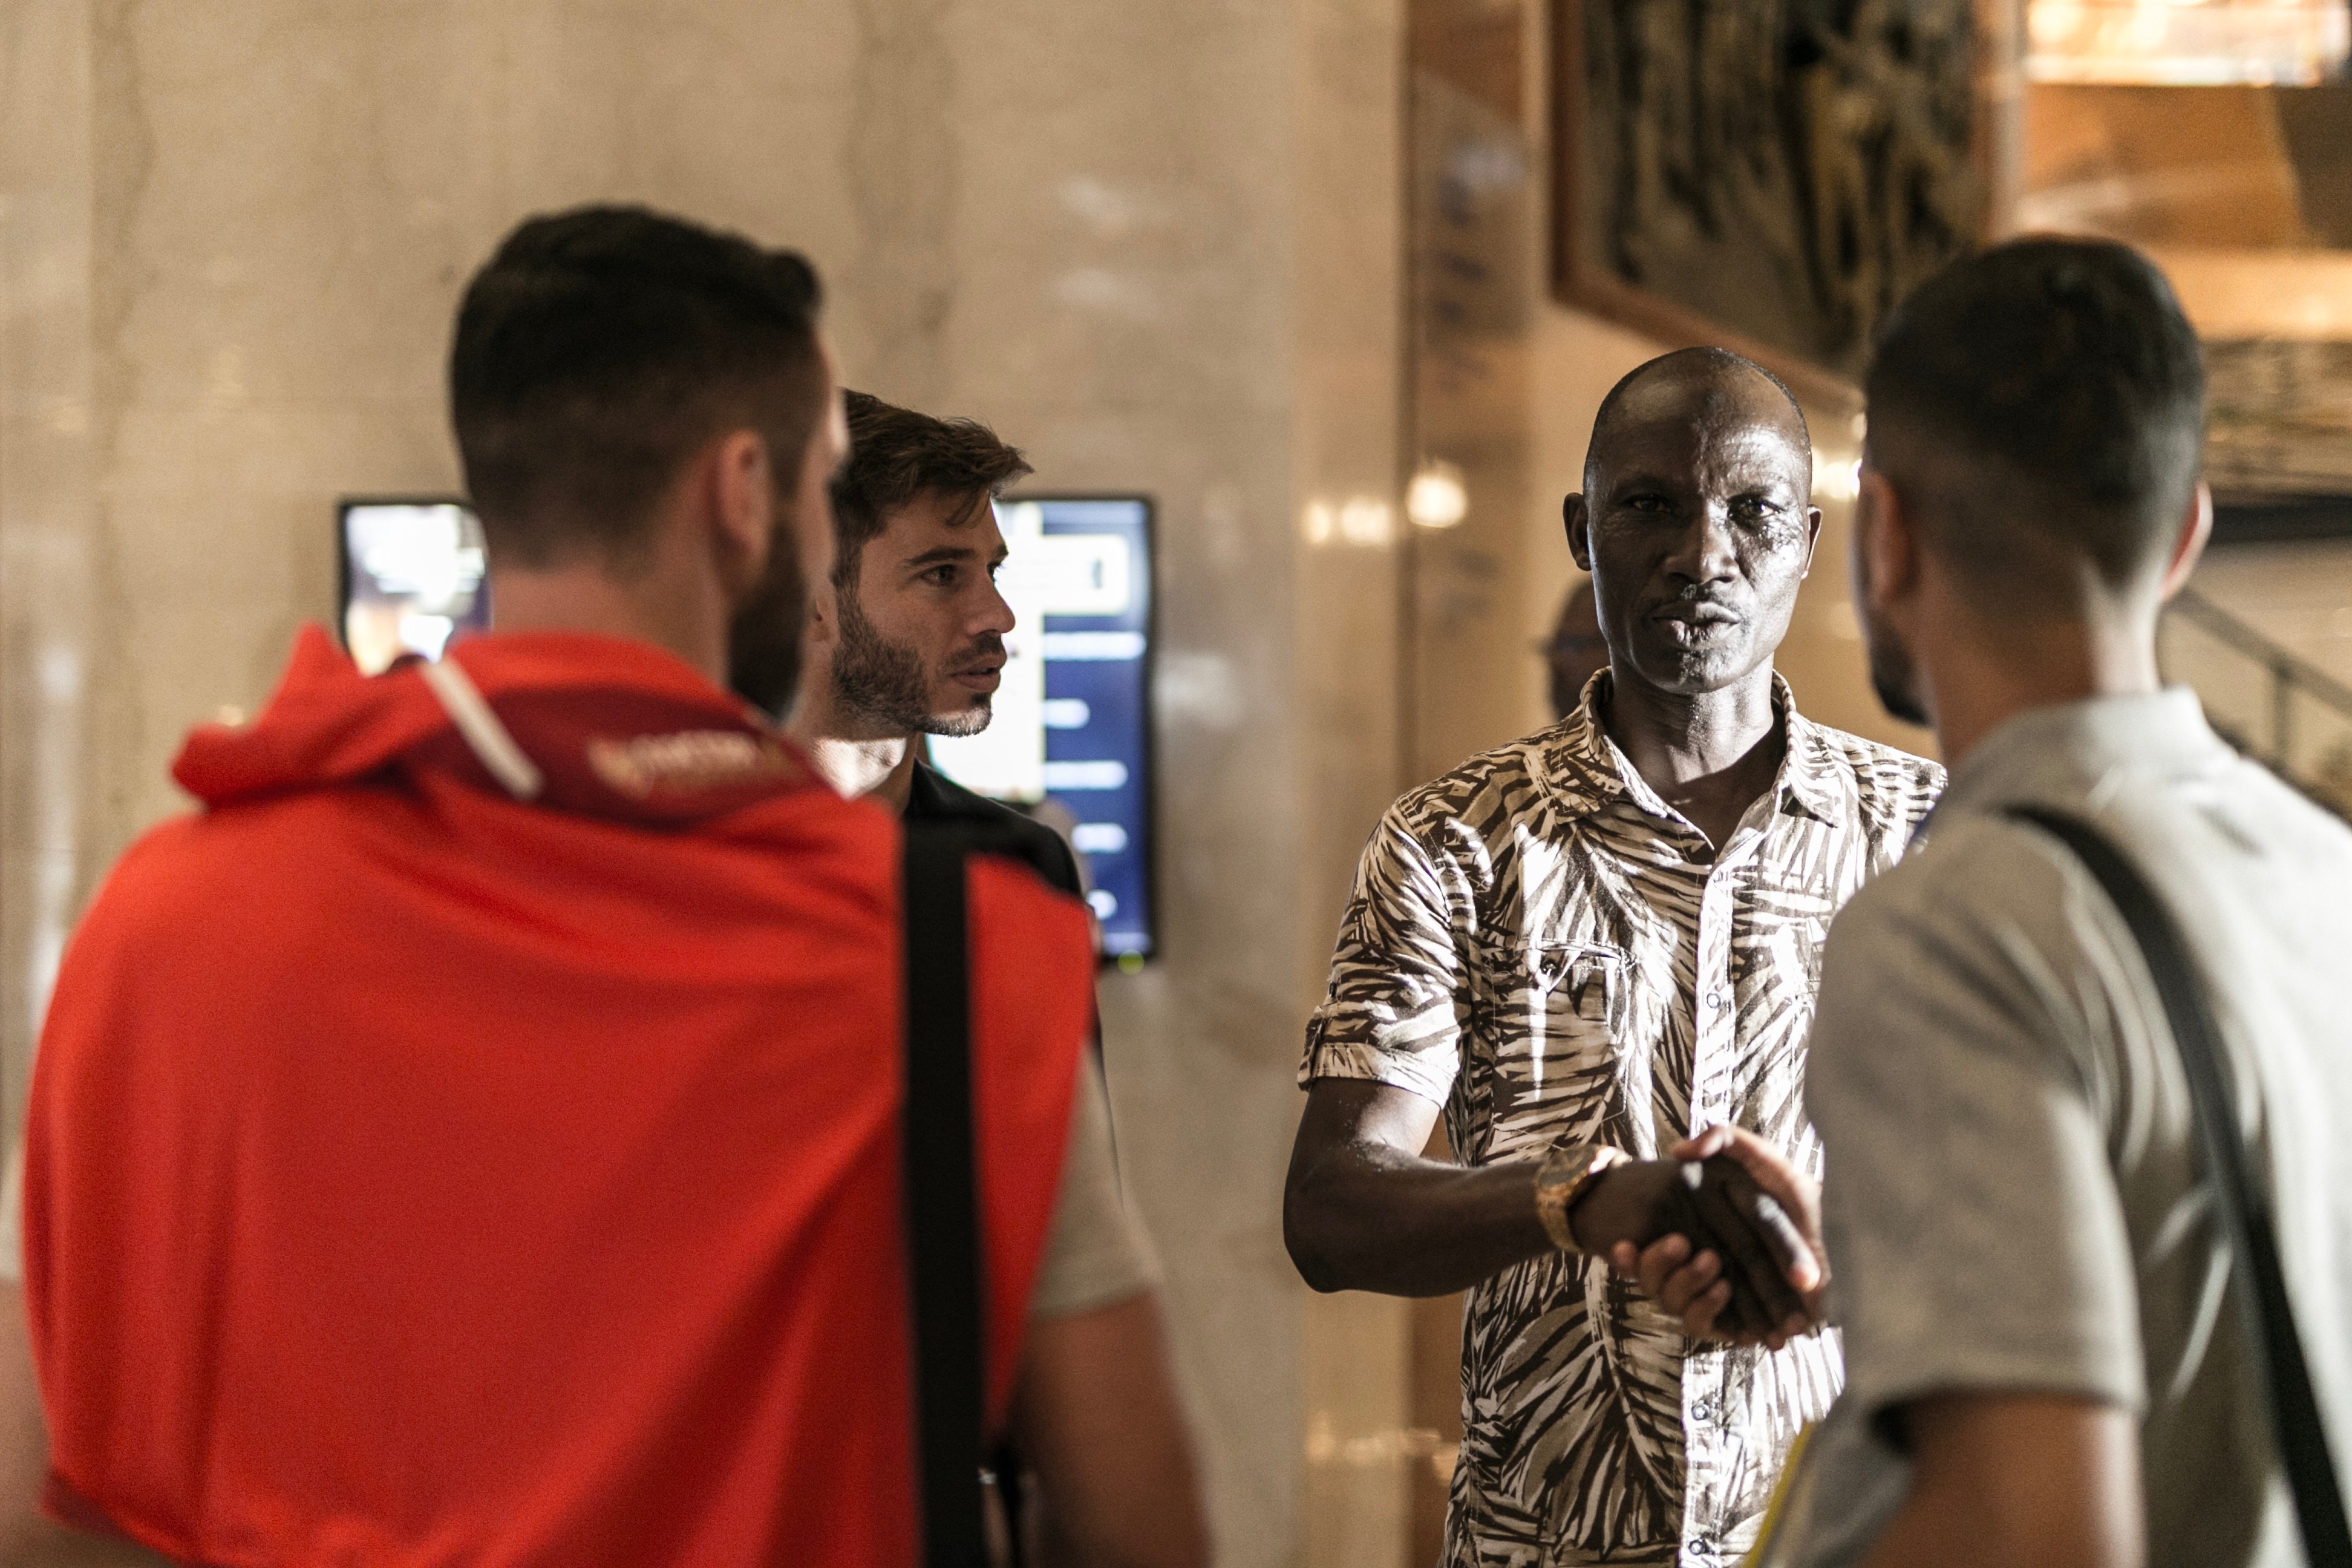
1558,1180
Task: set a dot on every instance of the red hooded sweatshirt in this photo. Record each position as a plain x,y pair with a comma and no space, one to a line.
418,1173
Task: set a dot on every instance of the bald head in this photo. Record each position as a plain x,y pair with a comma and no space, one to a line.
1696,521
1707,386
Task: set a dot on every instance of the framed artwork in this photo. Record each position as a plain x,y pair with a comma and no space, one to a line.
1770,175
2278,437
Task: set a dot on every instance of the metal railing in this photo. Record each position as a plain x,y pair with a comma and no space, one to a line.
2267,701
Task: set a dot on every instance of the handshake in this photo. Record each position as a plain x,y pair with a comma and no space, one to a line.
1724,1234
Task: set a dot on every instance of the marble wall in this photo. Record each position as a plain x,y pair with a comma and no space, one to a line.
1157,246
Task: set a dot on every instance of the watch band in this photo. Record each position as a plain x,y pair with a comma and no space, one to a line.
1566,1173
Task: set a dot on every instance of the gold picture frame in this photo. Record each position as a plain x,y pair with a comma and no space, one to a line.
1770,175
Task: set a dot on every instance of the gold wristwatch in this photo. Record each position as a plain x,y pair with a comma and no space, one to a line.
1566,1174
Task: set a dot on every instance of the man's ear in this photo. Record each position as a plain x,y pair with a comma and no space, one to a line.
1813,539
2196,531
1887,545
1578,521
823,613
742,506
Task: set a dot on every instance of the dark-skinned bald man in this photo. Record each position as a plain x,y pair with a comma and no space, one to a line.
1587,949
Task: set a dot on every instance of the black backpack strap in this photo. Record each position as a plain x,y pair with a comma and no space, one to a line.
942,1206
2264,1308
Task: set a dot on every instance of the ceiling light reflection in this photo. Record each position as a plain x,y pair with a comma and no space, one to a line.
2187,43
1364,521
1437,498
1836,480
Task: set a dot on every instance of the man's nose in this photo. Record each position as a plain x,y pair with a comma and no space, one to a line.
997,613
1705,553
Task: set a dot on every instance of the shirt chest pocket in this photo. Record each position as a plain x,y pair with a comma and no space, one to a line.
1554,1015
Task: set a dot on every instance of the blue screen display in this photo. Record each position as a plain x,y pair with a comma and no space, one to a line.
1071,740
1072,736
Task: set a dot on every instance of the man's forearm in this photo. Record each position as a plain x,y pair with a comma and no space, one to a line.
1096,1411
1365,1217
2018,1480
28,1538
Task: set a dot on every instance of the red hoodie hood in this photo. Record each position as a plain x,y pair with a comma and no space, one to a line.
610,727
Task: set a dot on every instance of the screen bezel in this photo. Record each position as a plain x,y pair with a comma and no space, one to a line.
1152,902
344,507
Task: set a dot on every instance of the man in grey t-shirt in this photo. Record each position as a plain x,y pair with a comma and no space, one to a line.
2045,1363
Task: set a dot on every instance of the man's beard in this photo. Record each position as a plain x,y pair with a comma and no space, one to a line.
884,683
763,639
1893,677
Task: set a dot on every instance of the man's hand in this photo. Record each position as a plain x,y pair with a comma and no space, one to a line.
1769,1225
1715,1206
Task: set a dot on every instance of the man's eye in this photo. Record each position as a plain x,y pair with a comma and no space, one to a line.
941,577
1646,503
1753,510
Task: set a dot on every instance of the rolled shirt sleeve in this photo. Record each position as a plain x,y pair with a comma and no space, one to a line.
1974,1227
1395,1009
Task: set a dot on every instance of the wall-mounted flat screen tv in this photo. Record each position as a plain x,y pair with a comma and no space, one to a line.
1071,741
1072,736
416,575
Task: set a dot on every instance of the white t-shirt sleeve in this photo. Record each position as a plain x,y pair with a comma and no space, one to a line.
1096,1253
12,1217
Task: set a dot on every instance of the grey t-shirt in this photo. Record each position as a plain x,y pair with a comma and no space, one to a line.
2011,1194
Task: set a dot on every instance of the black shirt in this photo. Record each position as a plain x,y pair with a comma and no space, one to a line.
932,795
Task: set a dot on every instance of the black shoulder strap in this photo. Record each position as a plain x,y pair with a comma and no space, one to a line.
942,1209
2264,1306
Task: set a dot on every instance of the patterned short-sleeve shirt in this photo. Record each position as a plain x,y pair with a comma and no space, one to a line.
1538,943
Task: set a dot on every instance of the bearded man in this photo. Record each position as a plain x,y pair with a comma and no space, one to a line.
906,640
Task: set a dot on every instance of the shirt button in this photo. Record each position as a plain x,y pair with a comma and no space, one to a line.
1704,1410
1713,999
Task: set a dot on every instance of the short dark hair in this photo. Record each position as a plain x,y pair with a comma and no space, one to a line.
2047,394
1705,359
896,454
599,348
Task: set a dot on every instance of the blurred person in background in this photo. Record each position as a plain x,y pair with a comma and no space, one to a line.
1575,652
474,1136
1585,948
2033,1271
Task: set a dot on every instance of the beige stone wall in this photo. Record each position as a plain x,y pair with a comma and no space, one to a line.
1155,244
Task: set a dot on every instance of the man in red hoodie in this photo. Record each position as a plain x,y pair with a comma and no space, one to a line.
473,1137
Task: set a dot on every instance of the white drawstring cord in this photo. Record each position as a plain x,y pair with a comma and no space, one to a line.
462,700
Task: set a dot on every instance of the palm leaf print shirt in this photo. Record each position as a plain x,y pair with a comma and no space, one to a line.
1538,943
